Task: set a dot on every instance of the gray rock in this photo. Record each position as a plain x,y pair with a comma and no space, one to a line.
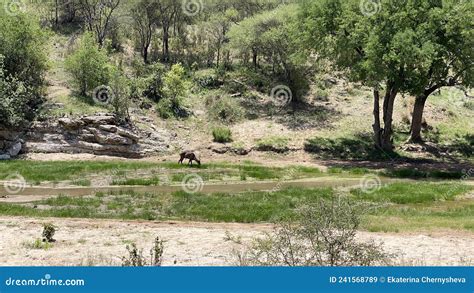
71,124
14,150
99,120
220,148
109,128
98,134
4,157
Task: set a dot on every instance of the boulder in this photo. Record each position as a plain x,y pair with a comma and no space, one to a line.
99,120
104,137
14,150
71,124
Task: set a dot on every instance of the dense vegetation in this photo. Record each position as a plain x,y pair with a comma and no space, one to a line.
154,53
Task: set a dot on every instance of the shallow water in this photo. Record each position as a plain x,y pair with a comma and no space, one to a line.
29,194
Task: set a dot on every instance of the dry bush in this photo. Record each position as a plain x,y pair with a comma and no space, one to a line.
135,257
48,232
321,235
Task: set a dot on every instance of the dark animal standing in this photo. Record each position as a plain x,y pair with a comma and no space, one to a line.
191,156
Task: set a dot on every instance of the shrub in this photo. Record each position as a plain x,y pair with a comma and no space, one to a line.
174,90
23,63
157,252
174,85
224,109
48,232
88,65
273,143
206,79
38,244
121,95
222,134
135,256
150,81
165,109
323,234
15,100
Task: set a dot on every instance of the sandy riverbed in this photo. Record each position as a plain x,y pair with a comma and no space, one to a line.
102,242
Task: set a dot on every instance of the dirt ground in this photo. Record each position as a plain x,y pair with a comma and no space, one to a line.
103,242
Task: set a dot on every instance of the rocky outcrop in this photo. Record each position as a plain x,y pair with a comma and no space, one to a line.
98,134
10,143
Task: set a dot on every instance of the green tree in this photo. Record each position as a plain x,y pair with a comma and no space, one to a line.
174,85
440,41
97,15
23,64
409,46
368,47
88,65
174,90
273,37
144,18
120,87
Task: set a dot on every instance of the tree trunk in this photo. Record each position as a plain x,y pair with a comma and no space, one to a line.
166,48
417,119
56,14
255,59
145,54
376,126
389,100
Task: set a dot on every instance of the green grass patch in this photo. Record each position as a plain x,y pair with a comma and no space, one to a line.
404,193
273,143
220,207
38,171
154,181
81,182
399,207
222,134
37,244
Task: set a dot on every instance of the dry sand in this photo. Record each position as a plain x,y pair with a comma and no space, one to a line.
103,242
